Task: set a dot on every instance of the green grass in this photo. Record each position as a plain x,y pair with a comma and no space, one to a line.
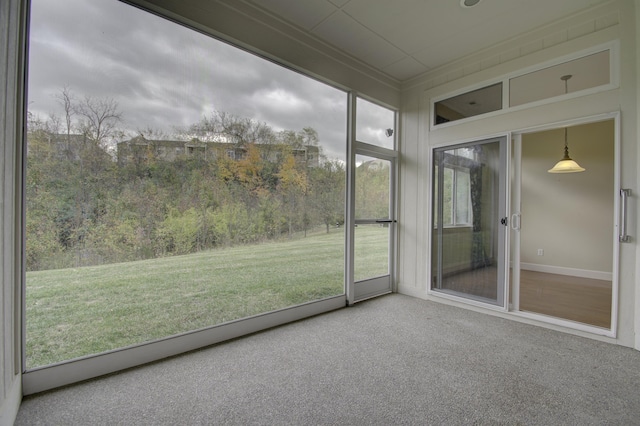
82,311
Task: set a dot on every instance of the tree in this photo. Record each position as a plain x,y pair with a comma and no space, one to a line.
225,127
328,192
293,186
65,99
100,116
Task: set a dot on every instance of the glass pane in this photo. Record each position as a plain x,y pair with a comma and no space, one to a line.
375,125
566,237
587,72
173,182
372,195
466,253
371,251
463,198
373,183
447,196
469,104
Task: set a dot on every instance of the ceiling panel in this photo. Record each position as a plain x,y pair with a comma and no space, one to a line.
306,14
341,30
405,68
408,37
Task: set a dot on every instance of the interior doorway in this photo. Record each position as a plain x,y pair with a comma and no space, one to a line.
564,227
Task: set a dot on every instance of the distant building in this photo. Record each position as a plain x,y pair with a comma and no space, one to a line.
139,149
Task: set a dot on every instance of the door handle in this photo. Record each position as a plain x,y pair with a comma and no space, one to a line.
385,221
515,221
504,221
623,237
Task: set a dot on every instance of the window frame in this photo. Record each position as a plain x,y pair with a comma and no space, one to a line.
614,82
39,379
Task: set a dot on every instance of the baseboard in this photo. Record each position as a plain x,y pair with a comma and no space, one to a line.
582,273
412,291
11,404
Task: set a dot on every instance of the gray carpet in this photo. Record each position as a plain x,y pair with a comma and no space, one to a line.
391,360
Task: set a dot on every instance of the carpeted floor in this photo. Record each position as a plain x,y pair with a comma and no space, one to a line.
390,360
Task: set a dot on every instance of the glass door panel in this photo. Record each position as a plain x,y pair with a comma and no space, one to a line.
373,224
566,244
469,221
372,210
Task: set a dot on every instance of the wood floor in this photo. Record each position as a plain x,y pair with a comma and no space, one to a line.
578,299
583,300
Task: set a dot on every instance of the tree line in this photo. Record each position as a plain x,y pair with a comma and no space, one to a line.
83,207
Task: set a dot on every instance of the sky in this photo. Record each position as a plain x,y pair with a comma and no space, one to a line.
165,76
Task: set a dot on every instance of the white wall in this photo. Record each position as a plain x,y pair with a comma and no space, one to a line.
569,216
614,21
10,53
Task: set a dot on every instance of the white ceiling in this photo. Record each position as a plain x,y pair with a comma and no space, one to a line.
405,38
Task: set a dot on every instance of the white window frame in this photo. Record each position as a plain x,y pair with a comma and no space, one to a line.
614,83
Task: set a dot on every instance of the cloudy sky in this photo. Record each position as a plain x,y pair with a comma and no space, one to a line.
163,75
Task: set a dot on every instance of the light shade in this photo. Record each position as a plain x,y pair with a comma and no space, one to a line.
566,165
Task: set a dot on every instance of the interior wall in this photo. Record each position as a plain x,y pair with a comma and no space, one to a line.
10,223
613,22
568,216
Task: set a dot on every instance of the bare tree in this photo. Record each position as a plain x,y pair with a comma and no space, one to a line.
65,99
100,117
240,130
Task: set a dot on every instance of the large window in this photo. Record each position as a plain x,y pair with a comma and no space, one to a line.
173,182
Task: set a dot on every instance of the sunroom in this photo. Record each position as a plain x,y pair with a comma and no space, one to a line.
434,131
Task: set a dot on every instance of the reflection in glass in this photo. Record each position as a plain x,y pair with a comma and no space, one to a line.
587,72
469,104
465,237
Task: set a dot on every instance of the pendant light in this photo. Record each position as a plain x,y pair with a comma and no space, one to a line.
566,165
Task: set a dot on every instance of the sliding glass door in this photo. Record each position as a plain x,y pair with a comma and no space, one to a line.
470,221
565,250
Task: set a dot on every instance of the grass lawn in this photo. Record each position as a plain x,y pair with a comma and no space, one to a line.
82,311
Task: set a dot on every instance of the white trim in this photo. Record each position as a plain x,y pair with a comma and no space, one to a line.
565,323
561,270
11,403
371,287
617,167
514,242
45,378
349,220
550,323
469,299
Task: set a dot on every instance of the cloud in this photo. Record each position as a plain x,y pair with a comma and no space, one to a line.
165,75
